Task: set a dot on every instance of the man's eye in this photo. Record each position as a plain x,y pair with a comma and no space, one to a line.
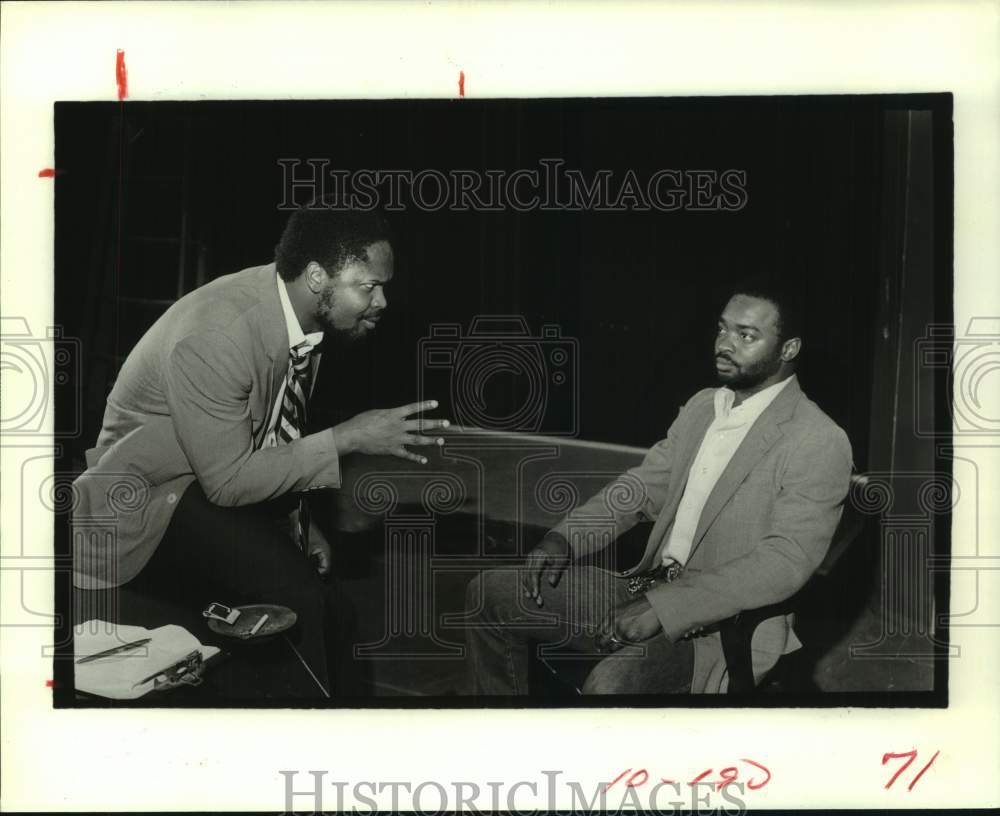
747,337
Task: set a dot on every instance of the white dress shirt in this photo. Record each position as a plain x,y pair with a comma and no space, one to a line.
295,337
722,438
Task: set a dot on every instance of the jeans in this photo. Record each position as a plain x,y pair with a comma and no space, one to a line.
504,628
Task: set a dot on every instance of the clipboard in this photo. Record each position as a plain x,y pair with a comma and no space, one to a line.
170,657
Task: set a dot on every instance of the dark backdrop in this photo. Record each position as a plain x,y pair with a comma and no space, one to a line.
639,291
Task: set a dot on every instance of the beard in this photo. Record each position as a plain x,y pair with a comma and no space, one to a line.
741,378
333,334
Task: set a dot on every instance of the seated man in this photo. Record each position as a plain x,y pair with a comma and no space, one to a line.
746,492
203,455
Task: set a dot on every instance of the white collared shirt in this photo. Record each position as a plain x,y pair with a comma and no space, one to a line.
295,337
723,437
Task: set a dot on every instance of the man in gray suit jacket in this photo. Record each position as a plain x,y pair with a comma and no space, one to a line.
746,492
204,434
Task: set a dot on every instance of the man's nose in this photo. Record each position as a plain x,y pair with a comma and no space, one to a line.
722,343
378,300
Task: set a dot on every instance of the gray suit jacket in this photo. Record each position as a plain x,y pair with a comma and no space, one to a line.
192,401
765,528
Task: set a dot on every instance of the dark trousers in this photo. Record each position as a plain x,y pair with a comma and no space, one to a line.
242,555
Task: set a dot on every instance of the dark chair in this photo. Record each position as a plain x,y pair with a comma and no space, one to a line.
737,632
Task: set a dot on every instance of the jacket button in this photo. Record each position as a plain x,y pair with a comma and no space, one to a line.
171,498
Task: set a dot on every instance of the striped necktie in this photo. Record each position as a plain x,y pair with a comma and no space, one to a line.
292,418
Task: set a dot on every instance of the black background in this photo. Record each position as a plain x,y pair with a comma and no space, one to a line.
639,291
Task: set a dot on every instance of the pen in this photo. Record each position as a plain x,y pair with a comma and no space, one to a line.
135,644
182,665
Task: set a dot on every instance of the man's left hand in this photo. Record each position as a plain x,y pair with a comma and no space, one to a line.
319,551
633,622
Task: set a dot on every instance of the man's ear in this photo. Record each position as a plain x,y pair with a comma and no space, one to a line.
315,277
790,349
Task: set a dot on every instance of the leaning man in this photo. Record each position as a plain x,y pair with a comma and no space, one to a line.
746,493
208,419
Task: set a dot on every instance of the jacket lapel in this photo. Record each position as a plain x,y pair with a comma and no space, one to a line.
692,444
689,445
317,356
758,441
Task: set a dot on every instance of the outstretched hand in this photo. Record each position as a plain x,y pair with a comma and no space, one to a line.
386,432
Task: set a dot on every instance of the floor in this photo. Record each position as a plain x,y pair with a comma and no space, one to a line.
899,664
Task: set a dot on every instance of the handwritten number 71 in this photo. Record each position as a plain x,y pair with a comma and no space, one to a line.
910,756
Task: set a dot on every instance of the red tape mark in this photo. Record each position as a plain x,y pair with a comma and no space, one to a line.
461,83
121,75
49,684
48,172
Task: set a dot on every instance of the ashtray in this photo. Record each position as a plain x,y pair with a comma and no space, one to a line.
256,622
